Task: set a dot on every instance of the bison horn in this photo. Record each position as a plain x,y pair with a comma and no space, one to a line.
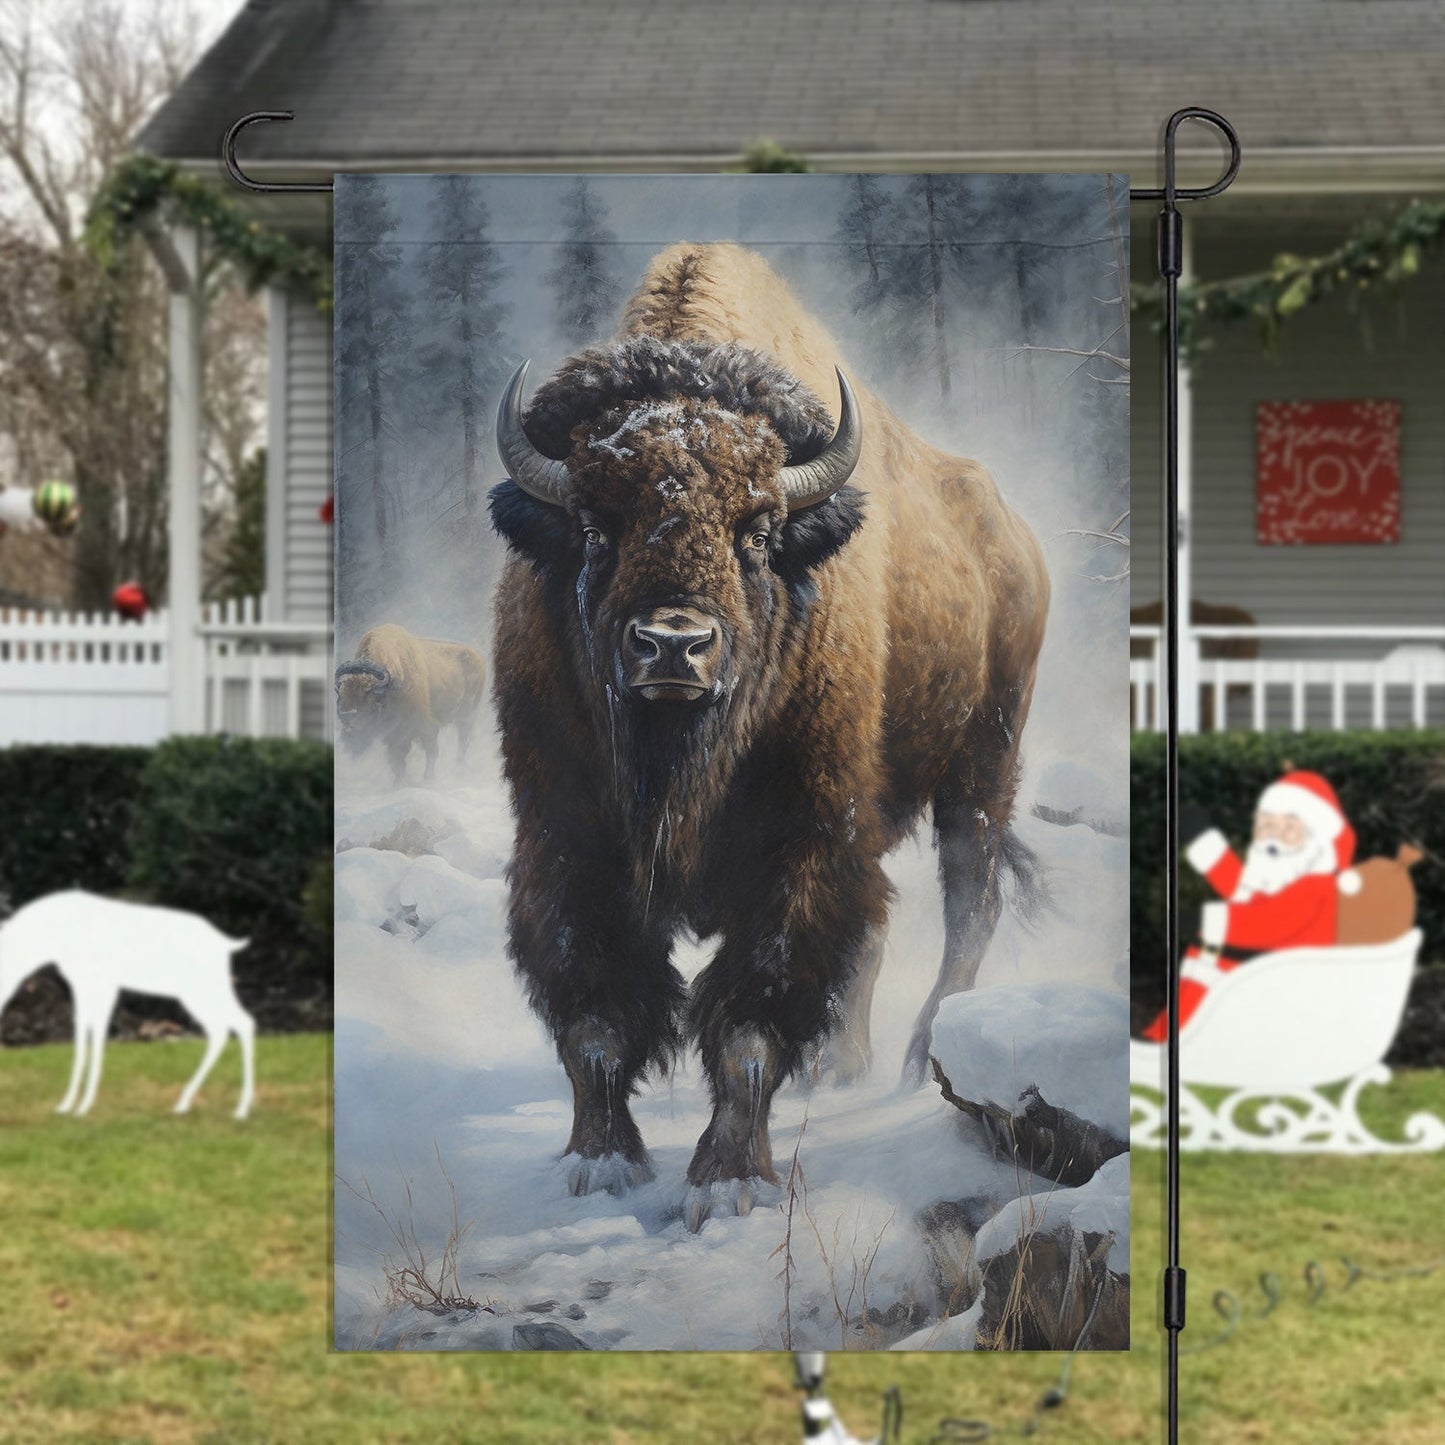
362,668
808,483
537,475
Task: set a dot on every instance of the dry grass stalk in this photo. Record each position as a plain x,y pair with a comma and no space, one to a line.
858,1273
789,1268
413,1278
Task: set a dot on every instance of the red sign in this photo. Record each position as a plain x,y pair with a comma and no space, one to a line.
1328,471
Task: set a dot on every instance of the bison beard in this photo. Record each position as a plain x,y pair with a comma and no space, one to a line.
661,492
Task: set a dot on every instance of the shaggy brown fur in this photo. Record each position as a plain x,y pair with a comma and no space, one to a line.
402,689
878,659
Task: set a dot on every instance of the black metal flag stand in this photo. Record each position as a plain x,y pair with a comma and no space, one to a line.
1171,268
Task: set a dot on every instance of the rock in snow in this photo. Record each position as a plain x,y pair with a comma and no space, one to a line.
1066,1039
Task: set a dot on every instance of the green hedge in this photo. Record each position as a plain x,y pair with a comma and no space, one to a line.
232,828
67,815
1390,784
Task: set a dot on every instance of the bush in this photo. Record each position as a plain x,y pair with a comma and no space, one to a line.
318,905
233,828
1390,784
69,814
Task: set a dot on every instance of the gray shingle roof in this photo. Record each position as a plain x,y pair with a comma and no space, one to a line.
408,81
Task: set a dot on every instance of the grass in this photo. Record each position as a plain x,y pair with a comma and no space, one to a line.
166,1279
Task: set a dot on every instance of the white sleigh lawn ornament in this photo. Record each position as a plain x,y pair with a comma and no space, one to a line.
1274,1032
101,946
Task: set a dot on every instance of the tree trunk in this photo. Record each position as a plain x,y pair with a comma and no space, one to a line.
935,274
1051,1142
95,541
469,415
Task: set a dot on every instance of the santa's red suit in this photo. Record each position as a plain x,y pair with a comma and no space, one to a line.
1253,916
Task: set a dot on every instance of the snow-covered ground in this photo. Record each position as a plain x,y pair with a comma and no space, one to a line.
443,1073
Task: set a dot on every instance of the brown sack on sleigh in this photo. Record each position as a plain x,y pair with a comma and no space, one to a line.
1383,907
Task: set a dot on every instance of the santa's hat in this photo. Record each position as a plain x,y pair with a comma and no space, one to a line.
1311,799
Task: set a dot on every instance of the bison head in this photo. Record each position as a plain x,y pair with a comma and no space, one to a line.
364,693
684,492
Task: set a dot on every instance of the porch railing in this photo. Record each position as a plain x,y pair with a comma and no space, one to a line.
1266,678
72,678
265,679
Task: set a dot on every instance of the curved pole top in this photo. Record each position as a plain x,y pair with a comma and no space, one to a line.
1171,192
233,166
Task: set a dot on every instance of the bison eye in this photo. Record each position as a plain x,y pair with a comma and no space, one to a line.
593,537
756,541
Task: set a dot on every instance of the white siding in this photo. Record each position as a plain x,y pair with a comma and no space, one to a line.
298,561
1391,347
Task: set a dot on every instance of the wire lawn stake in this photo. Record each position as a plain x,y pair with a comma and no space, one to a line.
819,1418
101,946
821,1425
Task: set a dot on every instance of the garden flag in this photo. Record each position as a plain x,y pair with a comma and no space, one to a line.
732,589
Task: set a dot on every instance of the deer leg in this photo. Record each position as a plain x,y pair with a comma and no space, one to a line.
245,1031
82,1038
216,1036
97,1025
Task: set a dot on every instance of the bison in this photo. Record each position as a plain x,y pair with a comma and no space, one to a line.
740,648
403,689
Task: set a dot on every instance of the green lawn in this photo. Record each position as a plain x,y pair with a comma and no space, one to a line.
166,1279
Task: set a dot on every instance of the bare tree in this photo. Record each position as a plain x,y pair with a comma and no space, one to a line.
82,345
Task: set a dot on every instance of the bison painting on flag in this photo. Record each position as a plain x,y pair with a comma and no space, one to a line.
757,977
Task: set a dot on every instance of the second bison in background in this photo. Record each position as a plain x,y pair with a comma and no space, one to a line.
402,689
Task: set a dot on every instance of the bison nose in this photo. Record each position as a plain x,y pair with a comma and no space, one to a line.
672,653
664,643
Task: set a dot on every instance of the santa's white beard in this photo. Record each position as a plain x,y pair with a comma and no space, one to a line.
1270,866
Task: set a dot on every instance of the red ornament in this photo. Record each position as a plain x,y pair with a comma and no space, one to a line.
130,600
327,510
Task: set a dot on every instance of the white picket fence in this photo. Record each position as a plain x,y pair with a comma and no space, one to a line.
69,678
1362,678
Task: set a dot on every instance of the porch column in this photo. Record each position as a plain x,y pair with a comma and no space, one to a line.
1188,643
187,651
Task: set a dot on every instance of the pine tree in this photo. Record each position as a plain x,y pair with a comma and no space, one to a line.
370,303
242,565
464,277
882,240
863,227
586,290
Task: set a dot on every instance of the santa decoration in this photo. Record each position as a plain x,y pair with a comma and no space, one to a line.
1284,893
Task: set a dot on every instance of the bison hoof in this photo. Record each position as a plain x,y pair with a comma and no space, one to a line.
726,1197
915,1062
610,1173
844,1061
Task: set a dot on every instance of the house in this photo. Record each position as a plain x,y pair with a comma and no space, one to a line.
1337,105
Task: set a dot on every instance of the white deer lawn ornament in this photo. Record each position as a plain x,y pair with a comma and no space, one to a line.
101,946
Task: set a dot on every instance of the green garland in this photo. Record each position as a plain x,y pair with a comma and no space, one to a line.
137,189
1376,253
768,158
